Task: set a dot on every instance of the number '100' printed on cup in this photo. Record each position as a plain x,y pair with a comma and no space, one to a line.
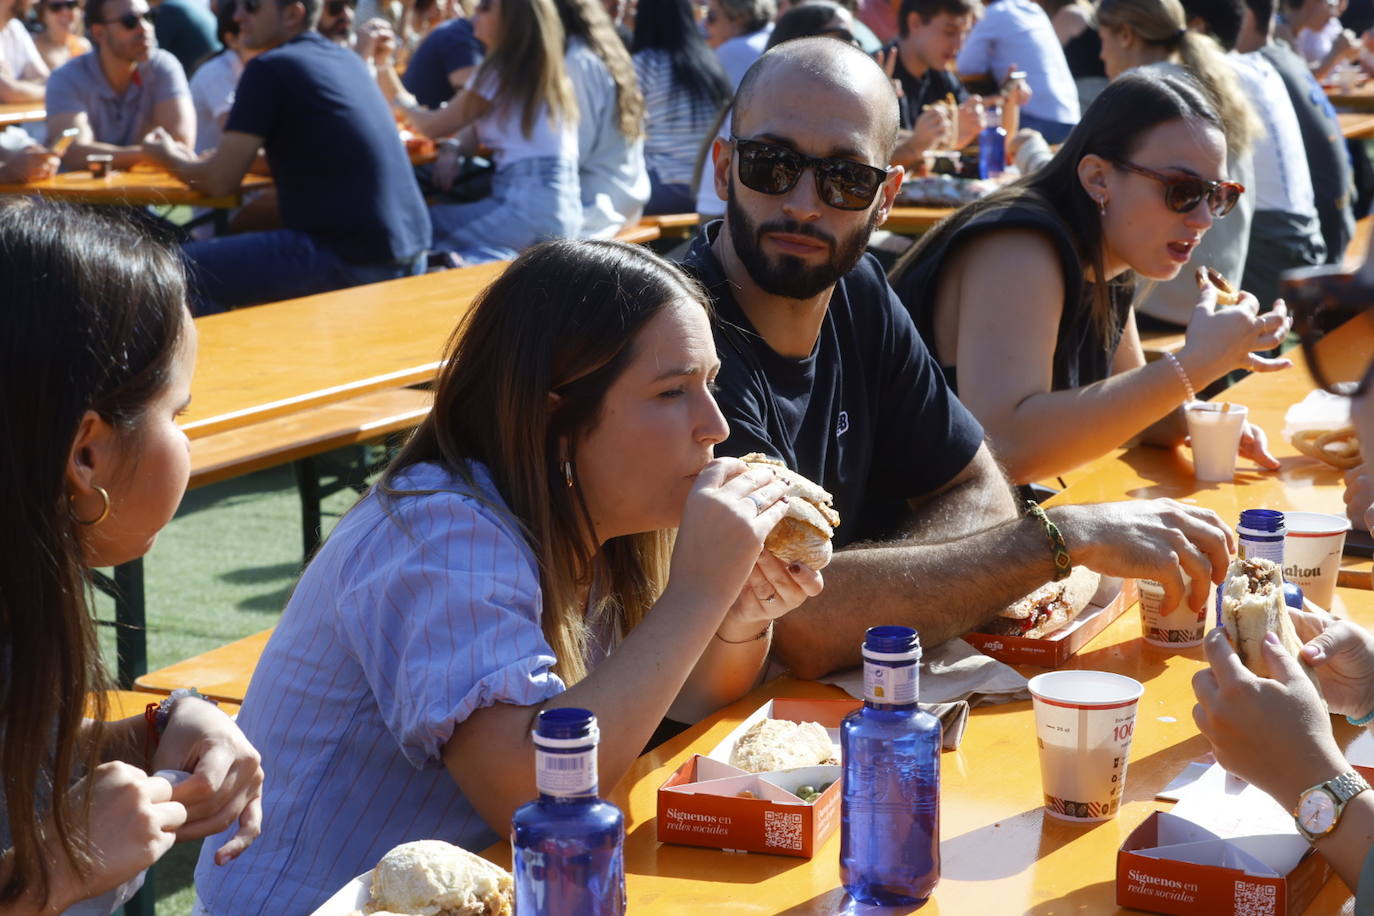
1084,722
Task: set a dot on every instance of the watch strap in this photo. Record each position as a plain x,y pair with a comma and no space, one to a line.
1342,788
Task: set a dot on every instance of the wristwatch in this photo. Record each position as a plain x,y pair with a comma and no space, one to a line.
1319,808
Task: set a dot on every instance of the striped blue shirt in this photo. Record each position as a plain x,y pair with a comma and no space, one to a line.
675,127
417,611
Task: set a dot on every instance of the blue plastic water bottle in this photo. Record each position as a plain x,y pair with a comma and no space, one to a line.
890,810
568,844
992,144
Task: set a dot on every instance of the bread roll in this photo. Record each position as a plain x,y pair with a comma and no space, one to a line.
1048,608
431,877
781,744
805,532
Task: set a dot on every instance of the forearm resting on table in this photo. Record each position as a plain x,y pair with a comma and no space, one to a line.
16,90
1051,432
491,756
123,157
942,590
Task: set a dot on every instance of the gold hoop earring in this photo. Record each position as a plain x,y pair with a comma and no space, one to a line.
567,471
104,511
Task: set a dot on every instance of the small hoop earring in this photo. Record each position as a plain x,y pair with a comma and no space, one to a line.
104,511
567,471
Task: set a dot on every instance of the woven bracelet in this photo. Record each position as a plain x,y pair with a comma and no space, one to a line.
1362,720
1063,564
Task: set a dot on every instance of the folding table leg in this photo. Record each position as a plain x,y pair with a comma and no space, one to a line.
131,625
143,903
308,483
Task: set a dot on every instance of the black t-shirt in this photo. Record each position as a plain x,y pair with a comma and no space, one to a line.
1082,353
451,46
1327,157
920,91
341,171
867,415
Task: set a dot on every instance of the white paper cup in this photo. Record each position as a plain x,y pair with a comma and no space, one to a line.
1181,628
1083,724
1312,553
1216,437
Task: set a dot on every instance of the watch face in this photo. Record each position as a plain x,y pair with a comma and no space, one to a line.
1317,811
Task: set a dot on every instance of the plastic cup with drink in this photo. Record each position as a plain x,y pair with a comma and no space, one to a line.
1084,721
1215,430
1312,553
100,164
1181,628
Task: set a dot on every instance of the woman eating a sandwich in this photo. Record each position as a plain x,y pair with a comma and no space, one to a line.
556,533
1025,296
1275,731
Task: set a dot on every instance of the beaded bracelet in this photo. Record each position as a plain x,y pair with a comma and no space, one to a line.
1182,375
1362,720
1063,565
157,715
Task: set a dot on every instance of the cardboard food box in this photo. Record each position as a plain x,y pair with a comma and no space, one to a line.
1225,848
1111,601
700,804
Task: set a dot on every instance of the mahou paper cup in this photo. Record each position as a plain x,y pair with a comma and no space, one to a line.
1181,628
1215,429
1084,721
1312,553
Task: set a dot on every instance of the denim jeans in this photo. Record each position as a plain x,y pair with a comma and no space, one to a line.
257,267
532,200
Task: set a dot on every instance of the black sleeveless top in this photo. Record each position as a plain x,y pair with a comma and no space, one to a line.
1082,355
1084,54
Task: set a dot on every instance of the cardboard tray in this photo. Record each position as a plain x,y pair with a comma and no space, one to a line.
1055,649
1191,889
698,805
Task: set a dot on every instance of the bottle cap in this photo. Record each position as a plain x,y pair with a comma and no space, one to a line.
1262,521
892,643
566,726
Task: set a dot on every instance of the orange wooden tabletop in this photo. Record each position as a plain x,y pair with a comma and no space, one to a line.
1356,125
1360,98
137,187
21,113
914,219
1000,854
276,359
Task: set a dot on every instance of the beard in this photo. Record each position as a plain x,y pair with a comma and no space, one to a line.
789,276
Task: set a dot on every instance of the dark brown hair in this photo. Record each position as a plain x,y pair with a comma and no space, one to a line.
562,320
93,312
1113,127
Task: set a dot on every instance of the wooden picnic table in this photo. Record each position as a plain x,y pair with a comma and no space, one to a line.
914,220
21,113
1360,98
141,186
285,357
1000,853
1357,125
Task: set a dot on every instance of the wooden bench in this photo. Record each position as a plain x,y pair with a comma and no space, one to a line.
221,674
638,234
673,225
125,704
1157,343
221,456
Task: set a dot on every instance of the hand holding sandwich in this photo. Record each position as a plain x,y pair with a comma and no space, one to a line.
1341,654
1274,733
774,588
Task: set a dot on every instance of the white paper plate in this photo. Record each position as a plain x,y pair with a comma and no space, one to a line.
352,896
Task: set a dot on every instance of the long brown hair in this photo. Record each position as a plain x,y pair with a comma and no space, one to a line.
562,320
1164,24
588,20
528,64
93,313
1113,127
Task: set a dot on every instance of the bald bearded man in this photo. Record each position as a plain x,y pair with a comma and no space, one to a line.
822,367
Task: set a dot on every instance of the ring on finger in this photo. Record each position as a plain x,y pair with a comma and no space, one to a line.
759,505
770,599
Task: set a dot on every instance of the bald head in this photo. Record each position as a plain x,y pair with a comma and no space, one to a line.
794,70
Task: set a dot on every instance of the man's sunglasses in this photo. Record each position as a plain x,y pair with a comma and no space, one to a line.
1184,192
336,7
61,6
1322,299
772,169
131,21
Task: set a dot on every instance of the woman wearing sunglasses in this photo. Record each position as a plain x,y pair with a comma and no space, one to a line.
61,39
1275,732
1025,296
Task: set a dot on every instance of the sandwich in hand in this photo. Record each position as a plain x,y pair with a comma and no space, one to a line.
1251,606
1048,608
434,878
805,532
1226,293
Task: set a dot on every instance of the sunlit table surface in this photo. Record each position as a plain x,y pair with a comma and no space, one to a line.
275,359
140,186
21,113
1000,853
